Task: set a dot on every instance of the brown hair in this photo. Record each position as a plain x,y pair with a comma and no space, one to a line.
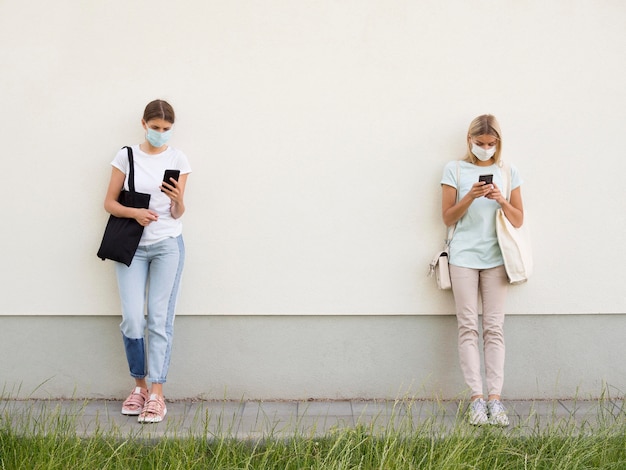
485,124
159,109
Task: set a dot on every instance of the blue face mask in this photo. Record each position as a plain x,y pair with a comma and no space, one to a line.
158,139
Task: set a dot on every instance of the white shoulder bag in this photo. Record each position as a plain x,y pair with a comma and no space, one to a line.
439,265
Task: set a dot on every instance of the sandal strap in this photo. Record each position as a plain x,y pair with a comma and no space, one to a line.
136,398
154,406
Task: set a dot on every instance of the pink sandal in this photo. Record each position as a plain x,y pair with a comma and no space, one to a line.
133,405
154,410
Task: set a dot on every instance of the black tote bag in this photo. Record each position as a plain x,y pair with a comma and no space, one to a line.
122,235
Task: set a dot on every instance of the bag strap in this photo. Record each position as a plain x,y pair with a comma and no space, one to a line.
506,177
446,248
131,170
452,228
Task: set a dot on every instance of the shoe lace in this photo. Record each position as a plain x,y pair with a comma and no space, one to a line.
497,407
478,406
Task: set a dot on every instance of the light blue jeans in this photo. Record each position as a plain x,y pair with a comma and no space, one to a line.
149,290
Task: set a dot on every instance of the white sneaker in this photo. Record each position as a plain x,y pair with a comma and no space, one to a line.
497,413
477,413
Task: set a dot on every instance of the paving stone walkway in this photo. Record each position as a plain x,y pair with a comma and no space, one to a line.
261,419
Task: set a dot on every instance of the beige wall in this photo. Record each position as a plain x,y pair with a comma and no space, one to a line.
317,132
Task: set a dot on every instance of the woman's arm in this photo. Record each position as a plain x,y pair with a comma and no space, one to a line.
116,183
514,209
453,211
175,190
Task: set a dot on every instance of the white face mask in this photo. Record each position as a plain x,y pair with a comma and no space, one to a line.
482,154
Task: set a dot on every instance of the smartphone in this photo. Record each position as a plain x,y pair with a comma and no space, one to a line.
488,179
170,174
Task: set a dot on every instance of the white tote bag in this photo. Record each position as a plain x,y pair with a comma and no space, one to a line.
514,242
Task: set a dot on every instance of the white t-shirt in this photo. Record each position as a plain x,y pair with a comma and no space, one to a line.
149,171
475,243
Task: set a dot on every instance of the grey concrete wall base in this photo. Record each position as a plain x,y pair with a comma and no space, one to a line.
319,357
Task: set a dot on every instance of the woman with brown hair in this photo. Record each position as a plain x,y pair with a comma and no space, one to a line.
149,287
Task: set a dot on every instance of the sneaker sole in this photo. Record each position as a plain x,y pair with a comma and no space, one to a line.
479,423
131,412
498,424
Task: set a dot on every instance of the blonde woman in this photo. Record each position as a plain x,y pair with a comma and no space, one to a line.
476,264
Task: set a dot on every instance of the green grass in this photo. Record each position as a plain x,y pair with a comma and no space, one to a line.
33,440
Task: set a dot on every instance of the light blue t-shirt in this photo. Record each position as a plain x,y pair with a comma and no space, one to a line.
474,243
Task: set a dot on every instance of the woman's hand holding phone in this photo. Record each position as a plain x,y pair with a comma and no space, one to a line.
174,190
170,178
483,187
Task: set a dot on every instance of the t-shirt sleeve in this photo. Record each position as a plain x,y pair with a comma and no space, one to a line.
121,161
183,163
449,175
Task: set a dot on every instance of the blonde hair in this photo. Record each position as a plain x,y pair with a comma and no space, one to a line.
485,124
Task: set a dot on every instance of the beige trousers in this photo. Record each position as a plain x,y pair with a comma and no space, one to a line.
492,284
